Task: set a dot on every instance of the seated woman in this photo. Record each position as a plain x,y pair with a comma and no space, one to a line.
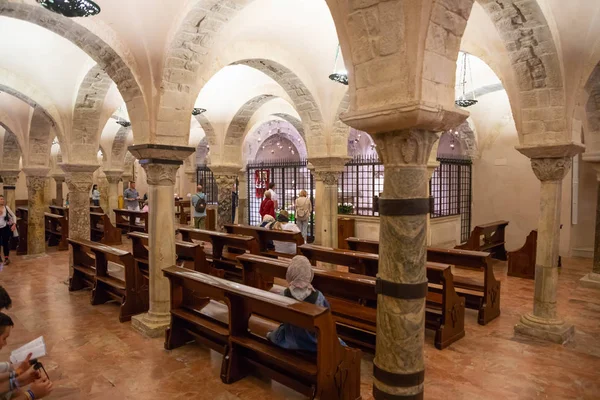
266,221
283,224
299,277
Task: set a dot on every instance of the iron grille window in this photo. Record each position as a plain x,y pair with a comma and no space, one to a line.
450,187
204,177
360,186
290,177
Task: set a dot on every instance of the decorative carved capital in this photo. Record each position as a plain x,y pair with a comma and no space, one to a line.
161,174
551,169
225,181
406,147
59,179
113,176
329,178
35,183
79,182
9,178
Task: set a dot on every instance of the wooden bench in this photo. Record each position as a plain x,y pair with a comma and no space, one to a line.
189,255
126,220
96,209
481,294
225,249
183,211
91,269
22,214
263,236
364,245
57,231
521,262
356,261
354,302
489,238
103,231
332,373
59,210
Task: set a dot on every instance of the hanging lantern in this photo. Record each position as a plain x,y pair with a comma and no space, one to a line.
339,75
71,8
198,111
465,67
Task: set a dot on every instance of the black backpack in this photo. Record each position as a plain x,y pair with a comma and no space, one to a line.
200,206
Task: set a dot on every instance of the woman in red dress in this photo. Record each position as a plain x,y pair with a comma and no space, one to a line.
267,207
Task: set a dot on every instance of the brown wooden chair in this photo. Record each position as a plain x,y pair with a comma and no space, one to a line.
126,220
488,237
57,231
332,373
521,262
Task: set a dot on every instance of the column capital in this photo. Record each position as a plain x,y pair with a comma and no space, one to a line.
405,147
10,177
159,173
59,178
113,175
160,153
41,172
328,177
551,162
225,170
79,176
415,114
328,164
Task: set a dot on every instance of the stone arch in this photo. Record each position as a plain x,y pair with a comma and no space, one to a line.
107,58
303,100
202,151
263,129
41,133
294,121
211,136
119,146
11,150
88,111
237,126
592,107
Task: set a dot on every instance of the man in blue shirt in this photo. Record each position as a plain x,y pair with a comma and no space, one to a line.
199,216
131,197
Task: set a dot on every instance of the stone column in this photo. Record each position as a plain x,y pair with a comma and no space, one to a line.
192,177
36,232
10,178
48,192
161,163
242,210
103,188
592,280
59,180
225,178
550,164
326,172
432,164
113,177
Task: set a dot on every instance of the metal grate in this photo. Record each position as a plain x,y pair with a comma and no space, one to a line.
204,177
290,177
450,187
360,186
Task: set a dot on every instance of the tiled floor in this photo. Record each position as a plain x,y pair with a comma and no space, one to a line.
93,356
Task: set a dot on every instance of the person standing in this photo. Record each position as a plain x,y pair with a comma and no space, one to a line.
8,228
303,213
199,205
267,207
274,196
95,196
131,197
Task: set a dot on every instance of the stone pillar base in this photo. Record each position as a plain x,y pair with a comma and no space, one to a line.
151,325
590,281
556,331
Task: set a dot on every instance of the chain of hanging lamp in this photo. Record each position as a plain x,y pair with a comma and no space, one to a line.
462,100
338,76
71,8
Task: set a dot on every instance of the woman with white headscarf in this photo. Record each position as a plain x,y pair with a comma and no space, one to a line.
299,277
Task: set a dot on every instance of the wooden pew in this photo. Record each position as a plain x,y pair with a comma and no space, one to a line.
22,214
57,230
191,254
354,302
264,235
356,261
90,264
364,245
59,210
332,373
126,220
183,211
96,209
103,231
483,294
488,237
521,262
225,248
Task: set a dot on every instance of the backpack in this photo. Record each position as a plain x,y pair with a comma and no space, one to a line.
200,205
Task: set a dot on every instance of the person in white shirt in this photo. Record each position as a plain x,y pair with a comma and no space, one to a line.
283,224
274,196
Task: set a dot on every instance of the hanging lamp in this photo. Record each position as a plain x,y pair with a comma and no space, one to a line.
463,101
71,8
198,111
340,76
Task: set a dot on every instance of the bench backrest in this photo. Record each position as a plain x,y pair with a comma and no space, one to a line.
59,210
264,235
356,261
461,258
487,234
219,240
364,245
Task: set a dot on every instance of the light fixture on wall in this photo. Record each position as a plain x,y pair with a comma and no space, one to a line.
339,75
465,68
198,111
71,8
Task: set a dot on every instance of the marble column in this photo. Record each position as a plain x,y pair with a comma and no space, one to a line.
225,178
403,209
161,163
192,177
48,192
326,172
550,165
103,189
36,232
432,165
10,178
113,177
242,209
59,180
